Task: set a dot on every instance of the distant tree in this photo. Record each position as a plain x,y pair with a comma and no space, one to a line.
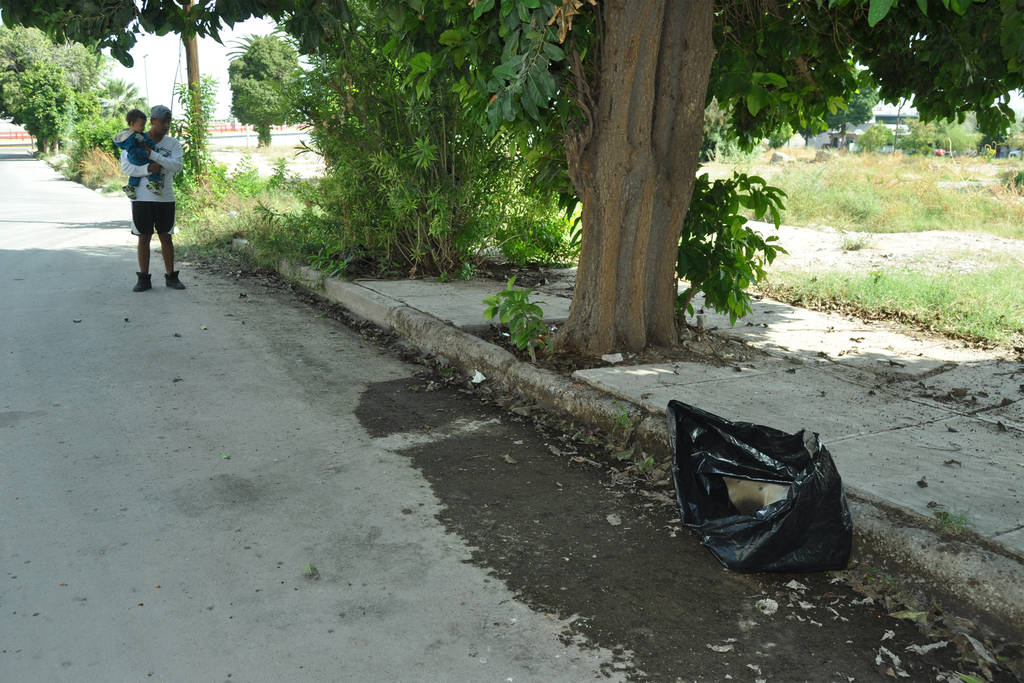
260,75
927,136
780,137
858,109
42,84
875,137
1015,139
118,96
717,133
40,101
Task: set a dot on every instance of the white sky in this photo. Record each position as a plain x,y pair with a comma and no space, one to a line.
160,64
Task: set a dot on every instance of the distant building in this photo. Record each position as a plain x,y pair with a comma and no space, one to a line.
894,116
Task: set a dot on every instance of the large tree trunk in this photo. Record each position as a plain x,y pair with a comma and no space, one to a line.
635,172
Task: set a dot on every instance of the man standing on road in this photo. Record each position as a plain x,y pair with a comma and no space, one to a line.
155,212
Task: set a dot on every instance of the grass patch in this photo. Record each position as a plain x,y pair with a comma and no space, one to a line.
896,193
985,306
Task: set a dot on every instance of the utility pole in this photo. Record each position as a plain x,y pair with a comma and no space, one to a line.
192,59
192,66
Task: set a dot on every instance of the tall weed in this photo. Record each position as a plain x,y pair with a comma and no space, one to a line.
894,193
99,168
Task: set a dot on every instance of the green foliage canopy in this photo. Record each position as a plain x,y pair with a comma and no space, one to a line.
857,110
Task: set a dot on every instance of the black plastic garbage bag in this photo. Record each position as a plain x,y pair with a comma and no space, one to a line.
760,499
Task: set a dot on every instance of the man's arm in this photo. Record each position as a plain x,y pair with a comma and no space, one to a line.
131,169
171,163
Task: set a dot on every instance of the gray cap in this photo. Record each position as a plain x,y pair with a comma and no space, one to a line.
160,113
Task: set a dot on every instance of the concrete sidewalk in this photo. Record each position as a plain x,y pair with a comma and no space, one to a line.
913,425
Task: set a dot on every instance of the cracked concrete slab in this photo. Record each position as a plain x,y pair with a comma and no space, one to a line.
791,400
958,465
777,327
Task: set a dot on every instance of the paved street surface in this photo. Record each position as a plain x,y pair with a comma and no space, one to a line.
172,462
227,483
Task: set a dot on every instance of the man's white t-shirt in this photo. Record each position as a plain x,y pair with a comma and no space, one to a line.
168,153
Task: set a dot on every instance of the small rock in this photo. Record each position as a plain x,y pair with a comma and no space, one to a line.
767,606
614,519
477,377
922,483
612,358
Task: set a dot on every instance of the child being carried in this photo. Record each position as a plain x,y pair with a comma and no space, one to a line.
134,141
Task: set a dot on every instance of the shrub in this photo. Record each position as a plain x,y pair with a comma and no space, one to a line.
875,137
1013,179
94,133
411,180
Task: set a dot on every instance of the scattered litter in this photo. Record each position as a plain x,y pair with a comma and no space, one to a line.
805,605
767,606
614,519
897,667
509,459
888,635
925,649
76,321
477,377
922,483
612,358
755,668
980,649
911,615
720,648
951,462
864,601
796,585
225,456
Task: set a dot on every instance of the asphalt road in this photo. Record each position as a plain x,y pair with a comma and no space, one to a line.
173,465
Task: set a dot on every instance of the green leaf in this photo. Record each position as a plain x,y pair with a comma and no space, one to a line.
450,37
970,678
923,6
554,53
878,10
481,7
757,99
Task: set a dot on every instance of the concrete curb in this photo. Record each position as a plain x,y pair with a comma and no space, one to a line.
990,580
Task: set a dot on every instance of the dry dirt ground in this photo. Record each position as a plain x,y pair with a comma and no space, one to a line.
937,251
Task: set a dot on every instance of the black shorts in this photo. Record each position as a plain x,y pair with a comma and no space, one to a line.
149,215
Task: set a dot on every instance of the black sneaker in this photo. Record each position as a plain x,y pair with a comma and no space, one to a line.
145,282
172,281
